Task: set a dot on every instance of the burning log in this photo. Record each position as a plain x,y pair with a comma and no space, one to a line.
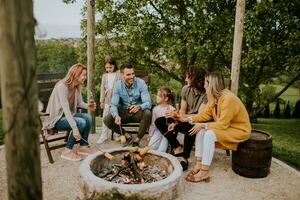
136,173
133,170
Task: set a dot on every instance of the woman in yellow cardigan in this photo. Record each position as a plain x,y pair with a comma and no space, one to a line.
224,120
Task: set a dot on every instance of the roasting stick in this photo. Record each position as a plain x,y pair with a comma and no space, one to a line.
106,154
122,138
147,148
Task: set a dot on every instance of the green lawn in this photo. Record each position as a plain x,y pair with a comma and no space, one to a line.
291,94
286,138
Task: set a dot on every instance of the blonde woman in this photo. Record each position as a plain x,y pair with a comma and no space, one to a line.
62,109
224,120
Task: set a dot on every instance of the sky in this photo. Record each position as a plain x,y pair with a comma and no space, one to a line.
57,19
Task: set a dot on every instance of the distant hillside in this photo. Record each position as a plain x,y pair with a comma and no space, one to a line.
51,31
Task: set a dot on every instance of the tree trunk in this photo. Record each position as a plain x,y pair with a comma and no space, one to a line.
237,45
19,100
91,56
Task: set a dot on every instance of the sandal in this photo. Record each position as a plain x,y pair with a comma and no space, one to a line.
71,156
199,178
84,151
184,163
196,168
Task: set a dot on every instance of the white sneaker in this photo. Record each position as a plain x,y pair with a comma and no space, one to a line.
103,138
117,137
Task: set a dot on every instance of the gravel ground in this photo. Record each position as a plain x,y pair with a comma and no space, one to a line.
61,179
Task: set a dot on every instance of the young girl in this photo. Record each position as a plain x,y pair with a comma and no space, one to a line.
109,79
166,102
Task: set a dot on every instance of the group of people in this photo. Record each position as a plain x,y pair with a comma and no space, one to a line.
208,113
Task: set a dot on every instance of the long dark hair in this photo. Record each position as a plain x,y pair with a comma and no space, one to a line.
197,77
110,60
168,93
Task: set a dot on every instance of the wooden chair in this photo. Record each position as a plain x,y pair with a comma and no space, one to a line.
46,83
132,128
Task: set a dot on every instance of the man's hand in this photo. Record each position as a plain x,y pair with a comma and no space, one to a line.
118,120
171,127
92,106
170,114
76,135
196,128
134,108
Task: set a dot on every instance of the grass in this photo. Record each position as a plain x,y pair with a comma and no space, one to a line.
286,138
291,95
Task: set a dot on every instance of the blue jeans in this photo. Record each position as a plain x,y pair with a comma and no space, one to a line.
83,122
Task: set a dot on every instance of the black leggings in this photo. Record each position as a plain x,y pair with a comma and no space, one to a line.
182,127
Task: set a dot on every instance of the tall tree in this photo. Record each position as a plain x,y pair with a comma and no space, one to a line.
271,45
166,36
19,95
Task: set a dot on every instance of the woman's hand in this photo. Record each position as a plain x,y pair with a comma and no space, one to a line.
76,135
184,118
196,128
171,127
92,106
102,105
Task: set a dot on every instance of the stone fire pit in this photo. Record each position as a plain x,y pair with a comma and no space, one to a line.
168,188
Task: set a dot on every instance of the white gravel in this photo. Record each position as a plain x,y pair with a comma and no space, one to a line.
61,180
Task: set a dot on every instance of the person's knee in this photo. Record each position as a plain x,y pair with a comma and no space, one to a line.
147,114
87,118
108,120
210,135
159,121
81,124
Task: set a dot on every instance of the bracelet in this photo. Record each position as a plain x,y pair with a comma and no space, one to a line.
205,126
190,119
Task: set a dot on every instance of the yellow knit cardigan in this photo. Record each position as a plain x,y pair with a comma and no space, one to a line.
230,123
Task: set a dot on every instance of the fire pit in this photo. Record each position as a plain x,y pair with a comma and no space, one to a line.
155,174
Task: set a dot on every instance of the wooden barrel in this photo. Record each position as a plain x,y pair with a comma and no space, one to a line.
253,157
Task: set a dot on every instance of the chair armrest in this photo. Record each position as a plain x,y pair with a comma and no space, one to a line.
43,114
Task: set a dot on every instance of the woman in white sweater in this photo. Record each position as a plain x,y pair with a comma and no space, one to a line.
62,109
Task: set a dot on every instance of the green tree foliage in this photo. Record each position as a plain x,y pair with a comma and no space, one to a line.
296,112
55,56
168,36
165,37
287,111
267,111
271,45
277,113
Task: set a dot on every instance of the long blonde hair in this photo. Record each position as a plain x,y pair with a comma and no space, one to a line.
73,74
216,87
